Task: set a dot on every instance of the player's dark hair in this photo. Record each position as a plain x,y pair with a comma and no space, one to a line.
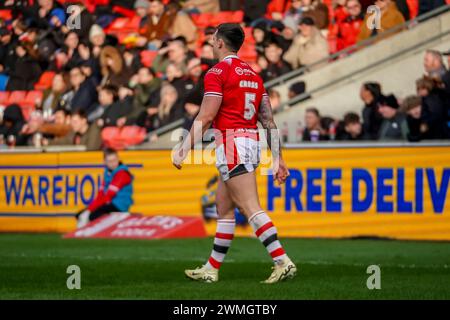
232,34
108,152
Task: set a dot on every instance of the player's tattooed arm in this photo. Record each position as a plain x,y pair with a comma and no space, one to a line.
265,117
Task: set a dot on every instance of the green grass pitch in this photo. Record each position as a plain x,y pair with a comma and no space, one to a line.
33,266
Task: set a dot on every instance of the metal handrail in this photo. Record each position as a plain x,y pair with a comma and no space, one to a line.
349,50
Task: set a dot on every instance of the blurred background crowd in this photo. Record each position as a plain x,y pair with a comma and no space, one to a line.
109,72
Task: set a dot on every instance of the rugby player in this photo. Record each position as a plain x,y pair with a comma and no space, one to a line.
234,100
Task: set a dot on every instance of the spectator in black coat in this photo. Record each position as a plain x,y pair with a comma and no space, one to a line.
370,93
84,92
412,107
276,65
25,72
12,124
119,109
351,128
434,108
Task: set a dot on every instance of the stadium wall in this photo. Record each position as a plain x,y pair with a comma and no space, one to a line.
337,191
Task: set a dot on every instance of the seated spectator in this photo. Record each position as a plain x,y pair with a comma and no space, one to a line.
201,6
435,105
390,18
59,127
294,13
195,77
83,93
115,194
146,94
313,131
349,27
175,52
97,38
11,126
26,70
116,114
207,55
81,133
308,47
317,11
141,8
394,125
276,65
51,97
191,108
370,93
352,128
296,89
71,42
165,23
107,95
113,68
7,55
170,108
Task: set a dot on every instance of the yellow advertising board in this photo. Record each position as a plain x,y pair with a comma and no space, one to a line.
395,192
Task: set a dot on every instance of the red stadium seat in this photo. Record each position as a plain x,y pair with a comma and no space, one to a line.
120,138
27,110
45,81
249,35
32,98
248,53
4,95
203,20
17,97
5,14
147,57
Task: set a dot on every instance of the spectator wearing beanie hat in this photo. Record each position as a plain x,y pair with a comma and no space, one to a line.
394,125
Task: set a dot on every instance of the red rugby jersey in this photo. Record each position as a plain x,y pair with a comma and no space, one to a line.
241,89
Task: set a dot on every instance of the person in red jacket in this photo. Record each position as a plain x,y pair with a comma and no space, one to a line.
348,29
116,191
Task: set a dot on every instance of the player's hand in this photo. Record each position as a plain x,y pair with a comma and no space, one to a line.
177,157
280,171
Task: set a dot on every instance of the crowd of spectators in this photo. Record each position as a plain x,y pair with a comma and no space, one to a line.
100,77
424,115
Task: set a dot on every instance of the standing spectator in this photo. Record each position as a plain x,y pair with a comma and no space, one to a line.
412,107
81,133
276,65
390,18
434,65
349,27
370,93
308,47
318,12
352,128
394,125
435,105
313,130
175,52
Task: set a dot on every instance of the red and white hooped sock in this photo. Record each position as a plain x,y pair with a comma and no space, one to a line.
222,242
267,234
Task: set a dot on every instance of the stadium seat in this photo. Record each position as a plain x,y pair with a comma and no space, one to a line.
5,14
45,81
249,35
4,95
120,138
32,98
17,97
147,57
248,53
202,20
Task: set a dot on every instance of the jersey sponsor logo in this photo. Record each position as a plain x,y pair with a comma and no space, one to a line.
215,70
241,72
248,84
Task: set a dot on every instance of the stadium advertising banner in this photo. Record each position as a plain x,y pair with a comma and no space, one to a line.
332,192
